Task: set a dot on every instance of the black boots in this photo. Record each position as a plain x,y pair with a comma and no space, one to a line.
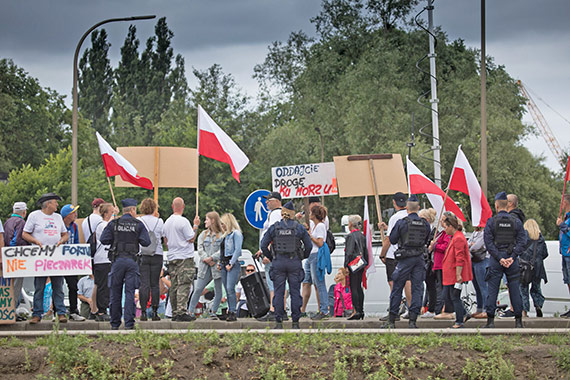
518,322
412,324
155,316
231,317
490,323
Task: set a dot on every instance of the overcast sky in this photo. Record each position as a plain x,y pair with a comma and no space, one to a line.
532,39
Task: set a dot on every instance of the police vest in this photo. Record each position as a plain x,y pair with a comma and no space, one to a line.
286,241
127,236
413,242
505,232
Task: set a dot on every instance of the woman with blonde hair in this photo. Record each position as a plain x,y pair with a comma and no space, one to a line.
151,264
534,253
229,264
208,256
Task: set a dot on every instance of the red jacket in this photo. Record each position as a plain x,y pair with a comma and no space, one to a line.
457,255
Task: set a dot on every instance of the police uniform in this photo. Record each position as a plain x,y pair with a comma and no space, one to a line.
504,238
286,255
129,233
411,234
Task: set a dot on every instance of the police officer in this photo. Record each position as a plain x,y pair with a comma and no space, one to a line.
505,239
411,234
124,236
286,255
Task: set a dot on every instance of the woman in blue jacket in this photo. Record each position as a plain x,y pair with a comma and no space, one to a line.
229,264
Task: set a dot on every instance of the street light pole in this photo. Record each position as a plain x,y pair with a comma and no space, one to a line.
74,107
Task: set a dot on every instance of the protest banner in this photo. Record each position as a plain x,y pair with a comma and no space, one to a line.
300,181
7,301
49,260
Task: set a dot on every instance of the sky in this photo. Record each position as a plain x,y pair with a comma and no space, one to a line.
531,39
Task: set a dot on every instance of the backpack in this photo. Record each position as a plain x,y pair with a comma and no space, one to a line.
151,249
92,239
330,241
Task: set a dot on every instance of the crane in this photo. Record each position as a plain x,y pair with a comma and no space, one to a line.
540,121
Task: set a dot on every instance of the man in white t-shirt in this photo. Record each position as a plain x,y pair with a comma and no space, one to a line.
274,206
46,227
387,253
179,237
90,223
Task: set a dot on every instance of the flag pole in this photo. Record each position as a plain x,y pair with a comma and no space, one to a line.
112,193
198,159
440,216
566,177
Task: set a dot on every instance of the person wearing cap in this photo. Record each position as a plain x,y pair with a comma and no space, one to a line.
308,280
274,216
69,215
124,236
46,227
13,229
285,239
89,225
388,249
411,234
505,240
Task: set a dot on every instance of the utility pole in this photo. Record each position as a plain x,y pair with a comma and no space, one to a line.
434,100
483,104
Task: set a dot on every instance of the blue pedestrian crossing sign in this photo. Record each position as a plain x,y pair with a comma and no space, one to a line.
255,208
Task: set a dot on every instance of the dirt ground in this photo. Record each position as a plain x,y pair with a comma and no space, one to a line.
288,356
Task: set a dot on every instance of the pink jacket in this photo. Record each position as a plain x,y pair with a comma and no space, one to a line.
439,252
344,292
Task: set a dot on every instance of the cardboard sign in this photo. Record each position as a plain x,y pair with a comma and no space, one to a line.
354,179
49,260
176,167
7,301
300,181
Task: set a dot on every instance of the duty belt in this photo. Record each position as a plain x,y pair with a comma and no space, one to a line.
127,255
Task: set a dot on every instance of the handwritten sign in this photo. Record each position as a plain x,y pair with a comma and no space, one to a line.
49,260
300,181
7,301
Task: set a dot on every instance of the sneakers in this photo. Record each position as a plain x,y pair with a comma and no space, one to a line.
269,317
184,318
406,315
61,318
278,326
103,318
387,318
213,317
507,314
565,315
388,325
427,314
304,315
35,320
76,317
319,317
92,317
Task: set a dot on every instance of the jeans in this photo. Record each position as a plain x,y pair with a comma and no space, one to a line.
321,285
200,285
535,292
230,279
270,285
150,268
480,284
454,295
57,287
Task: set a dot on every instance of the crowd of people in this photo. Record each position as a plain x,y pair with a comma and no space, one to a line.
419,248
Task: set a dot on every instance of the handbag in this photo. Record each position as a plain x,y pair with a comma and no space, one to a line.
527,268
358,263
478,256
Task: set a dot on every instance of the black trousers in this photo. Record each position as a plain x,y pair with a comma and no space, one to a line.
356,292
71,282
101,273
150,268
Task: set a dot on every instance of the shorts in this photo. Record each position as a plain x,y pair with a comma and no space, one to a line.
390,268
566,269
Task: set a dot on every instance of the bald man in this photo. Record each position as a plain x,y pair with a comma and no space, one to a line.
180,235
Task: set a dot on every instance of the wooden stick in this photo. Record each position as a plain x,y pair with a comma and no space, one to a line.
156,158
376,197
197,184
440,216
562,199
112,193
361,157
307,211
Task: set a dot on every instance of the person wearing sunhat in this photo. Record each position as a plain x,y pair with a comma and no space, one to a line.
505,239
285,239
411,234
124,236
46,227
69,215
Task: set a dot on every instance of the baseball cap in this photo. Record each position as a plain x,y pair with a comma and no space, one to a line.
400,199
97,202
273,195
68,209
20,206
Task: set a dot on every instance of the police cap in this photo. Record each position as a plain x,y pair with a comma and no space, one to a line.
502,196
413,198
129,202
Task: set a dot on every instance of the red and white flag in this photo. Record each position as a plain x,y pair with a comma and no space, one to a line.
463,179
419,183
367,231
215,144
115,164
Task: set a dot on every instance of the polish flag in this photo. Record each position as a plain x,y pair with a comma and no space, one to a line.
115,164
420,184
367,231
215,144
463,179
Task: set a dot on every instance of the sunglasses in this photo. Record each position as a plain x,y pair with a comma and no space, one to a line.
250,270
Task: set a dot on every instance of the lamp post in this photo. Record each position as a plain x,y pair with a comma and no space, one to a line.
74,107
